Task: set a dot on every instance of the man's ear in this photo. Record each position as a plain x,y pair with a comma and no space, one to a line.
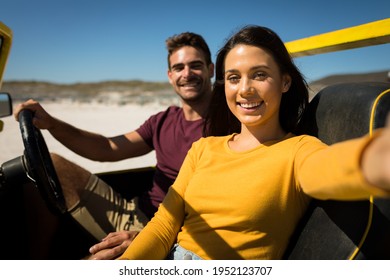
169,74
286,83
211,70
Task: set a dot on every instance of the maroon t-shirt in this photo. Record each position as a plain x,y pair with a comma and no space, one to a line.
171,136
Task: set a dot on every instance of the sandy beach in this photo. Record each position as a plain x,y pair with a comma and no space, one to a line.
109,120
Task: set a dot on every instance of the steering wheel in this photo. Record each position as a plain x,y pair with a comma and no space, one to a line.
39,165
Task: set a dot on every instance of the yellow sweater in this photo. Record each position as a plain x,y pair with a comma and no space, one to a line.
245,205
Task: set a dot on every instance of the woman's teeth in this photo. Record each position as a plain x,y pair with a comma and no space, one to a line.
250,105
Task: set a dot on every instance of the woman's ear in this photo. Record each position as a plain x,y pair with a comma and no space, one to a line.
286,83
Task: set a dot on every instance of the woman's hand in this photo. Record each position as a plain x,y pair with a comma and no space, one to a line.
376,159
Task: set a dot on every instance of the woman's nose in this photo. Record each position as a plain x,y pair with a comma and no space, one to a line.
246,88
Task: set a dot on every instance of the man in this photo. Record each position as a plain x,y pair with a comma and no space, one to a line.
170,133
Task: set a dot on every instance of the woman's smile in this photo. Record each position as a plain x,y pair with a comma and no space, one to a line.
250,105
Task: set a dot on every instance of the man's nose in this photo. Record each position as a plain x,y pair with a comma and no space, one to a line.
187,71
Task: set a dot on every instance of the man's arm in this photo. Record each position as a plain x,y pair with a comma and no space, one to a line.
87,144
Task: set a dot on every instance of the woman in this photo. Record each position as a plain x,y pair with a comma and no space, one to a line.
239,195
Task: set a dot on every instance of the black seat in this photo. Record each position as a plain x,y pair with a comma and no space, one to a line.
335,229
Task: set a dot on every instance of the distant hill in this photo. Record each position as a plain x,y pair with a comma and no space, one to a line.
381,76
141,92
109,91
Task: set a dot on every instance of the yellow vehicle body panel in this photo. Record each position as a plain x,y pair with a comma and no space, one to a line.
5,45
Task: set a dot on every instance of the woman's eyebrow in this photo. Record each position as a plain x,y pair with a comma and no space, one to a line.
257,67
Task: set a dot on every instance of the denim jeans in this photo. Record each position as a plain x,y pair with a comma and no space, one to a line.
179,253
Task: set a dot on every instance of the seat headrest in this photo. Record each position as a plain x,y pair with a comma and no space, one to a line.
345,111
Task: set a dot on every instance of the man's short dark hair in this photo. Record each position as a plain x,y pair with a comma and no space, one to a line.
188,39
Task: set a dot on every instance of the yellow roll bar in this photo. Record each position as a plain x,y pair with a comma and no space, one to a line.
369,34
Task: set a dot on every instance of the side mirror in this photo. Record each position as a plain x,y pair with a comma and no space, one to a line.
5,104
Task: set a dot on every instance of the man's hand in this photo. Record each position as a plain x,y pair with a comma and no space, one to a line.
113,245
41,120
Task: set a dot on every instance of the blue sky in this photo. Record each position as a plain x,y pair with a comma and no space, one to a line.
69,41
